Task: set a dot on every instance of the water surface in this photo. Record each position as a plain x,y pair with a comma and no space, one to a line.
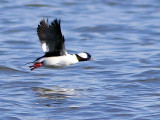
122,84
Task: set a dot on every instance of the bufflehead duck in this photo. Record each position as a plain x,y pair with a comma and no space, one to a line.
53,44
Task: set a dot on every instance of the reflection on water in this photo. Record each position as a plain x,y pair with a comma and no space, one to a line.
54,93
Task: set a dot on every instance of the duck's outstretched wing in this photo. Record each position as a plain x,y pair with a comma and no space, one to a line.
55,40
41,32
51,38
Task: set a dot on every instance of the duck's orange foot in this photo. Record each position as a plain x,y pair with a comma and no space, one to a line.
35,66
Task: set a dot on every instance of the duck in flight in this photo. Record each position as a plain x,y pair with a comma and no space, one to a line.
53,44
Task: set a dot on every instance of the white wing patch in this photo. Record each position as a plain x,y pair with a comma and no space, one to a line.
44,47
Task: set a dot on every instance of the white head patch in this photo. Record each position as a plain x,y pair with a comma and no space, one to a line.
83,55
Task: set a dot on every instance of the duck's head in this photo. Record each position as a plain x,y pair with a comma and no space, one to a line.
84,56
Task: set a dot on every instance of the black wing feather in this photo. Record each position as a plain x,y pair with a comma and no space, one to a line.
55,40
42,30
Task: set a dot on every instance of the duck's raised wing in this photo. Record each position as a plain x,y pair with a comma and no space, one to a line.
55,40
41,32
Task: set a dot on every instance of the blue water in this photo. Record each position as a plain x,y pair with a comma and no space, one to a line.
122,84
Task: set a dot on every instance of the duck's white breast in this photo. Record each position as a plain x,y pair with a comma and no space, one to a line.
60,61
